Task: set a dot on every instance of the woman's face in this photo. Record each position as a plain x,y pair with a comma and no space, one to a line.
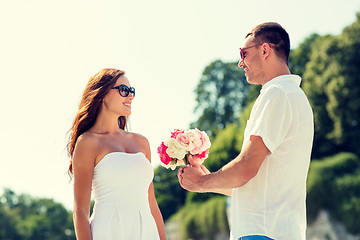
116,103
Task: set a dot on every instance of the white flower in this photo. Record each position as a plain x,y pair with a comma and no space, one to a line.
175,149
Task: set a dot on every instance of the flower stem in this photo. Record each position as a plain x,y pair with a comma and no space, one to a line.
186,160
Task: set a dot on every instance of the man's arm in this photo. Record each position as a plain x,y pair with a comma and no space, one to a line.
234,174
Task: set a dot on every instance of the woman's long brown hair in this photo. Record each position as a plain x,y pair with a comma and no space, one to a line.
90,105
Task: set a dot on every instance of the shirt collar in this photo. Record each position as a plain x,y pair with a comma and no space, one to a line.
290,77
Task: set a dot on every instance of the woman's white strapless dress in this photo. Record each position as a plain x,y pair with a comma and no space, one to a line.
120,187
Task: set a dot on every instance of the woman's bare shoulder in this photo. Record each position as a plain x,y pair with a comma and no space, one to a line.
87,146
140,138
87,140
144,143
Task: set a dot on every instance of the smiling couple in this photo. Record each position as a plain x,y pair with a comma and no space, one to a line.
266,181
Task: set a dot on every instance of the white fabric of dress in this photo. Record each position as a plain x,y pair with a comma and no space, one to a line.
120,186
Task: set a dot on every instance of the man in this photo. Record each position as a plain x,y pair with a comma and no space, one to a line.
267,180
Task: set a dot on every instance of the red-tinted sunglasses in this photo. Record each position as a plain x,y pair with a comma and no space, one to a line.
242,57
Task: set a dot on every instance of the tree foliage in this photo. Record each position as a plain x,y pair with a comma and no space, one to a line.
301,55
26,218
334,184
220,96
331,83
203,220
169,194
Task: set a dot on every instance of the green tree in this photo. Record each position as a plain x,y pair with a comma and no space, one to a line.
203,220
169,194
8,222
300,56
344,93
220,96
224,147
331,84
334,184
30,218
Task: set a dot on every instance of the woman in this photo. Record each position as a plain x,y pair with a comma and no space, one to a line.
112,162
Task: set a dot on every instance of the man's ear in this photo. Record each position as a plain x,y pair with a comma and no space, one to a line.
265,48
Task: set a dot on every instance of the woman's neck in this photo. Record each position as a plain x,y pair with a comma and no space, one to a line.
105,124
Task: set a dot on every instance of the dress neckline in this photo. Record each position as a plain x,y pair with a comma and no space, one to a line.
111,153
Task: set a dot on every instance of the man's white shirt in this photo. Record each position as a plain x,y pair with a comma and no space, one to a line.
273,202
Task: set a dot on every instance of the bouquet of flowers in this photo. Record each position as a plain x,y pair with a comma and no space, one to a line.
175,150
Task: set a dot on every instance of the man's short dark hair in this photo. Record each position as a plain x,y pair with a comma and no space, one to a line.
275,34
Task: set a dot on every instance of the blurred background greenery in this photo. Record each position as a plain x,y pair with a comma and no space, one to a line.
330,68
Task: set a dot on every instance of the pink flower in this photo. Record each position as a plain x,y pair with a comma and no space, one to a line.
176,132
186,139
164,157
201,142
203,155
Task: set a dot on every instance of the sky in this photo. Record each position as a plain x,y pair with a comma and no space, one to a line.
49,49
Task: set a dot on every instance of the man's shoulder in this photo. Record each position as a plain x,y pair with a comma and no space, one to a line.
283,83
273,91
